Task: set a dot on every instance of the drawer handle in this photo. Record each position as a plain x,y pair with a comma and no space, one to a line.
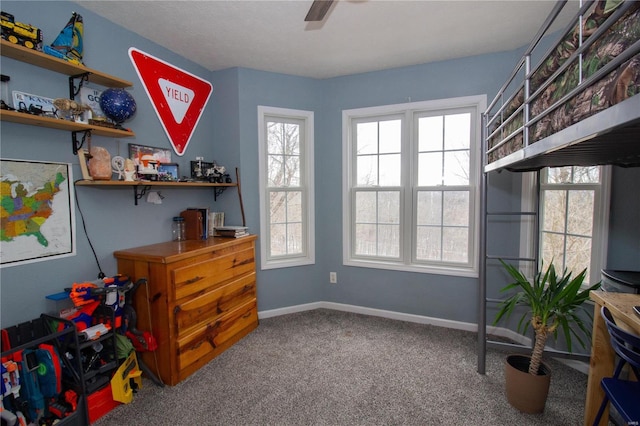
247,315
194,280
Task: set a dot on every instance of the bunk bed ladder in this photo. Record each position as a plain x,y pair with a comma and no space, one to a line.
485,257
483,340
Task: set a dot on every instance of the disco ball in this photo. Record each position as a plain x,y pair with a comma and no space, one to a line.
118,105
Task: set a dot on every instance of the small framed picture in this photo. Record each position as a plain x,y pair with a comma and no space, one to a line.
169,172
147,159
83,158
91,98
161,155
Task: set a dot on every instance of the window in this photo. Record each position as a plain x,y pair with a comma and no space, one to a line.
286,187
411,176
574,218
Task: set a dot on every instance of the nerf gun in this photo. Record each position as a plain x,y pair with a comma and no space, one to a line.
87,296
11,394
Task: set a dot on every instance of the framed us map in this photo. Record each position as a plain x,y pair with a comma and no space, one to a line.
37,216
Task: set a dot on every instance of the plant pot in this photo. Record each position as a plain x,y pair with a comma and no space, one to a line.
526,392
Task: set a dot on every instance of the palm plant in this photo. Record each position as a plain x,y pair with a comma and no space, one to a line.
553,302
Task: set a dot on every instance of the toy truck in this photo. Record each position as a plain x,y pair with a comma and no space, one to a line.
19,33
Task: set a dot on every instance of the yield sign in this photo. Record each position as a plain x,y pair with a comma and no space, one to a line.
178,96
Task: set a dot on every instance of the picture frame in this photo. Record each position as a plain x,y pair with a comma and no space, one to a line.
83,159
169,172
147,159
91,98
161,155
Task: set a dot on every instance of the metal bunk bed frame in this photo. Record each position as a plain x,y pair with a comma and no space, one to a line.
611,136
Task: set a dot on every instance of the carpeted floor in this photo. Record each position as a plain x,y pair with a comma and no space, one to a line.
326,367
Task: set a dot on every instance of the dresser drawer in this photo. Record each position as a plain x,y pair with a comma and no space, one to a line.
210,305
204,343
203,276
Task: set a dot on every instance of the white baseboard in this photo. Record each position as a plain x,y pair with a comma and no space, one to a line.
420,319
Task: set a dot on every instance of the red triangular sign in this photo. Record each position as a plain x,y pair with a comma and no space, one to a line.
178,96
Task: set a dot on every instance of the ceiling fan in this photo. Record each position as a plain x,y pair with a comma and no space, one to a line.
318,10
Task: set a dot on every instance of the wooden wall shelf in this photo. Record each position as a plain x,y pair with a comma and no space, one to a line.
56,123
74,72
51,63
140,188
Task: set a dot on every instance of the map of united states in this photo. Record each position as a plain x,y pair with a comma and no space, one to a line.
37,221
23,212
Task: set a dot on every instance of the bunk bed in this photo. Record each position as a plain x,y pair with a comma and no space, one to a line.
573,99
579,104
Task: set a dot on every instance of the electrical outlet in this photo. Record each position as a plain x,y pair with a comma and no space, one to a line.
333,277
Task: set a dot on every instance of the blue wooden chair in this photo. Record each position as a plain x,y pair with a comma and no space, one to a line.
624,395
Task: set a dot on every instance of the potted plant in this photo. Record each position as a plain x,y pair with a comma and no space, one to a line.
553,302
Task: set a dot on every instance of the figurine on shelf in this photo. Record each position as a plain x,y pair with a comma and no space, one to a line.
148,167
73,110
129,170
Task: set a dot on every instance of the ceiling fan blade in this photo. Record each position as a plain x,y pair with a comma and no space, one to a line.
318,10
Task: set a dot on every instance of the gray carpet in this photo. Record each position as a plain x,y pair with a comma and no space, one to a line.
326,367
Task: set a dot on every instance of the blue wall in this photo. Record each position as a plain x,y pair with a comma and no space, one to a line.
112,220
228,134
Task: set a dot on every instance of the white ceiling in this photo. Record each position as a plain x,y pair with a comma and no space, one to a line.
356,35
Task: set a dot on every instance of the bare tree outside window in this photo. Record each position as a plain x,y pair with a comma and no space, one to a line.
443,211
286,187
568,208
283,186
377,211
412,172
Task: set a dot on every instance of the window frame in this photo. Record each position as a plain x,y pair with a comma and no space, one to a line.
600,218
307,257
409,183
600,230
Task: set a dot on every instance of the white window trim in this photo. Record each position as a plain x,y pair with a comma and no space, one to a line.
308,178
479,102
600,239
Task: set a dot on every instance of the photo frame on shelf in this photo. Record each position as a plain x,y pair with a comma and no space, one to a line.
147,159
161,155
169,172
83,159
91,98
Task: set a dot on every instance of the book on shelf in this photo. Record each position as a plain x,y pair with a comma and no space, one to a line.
231,231
216,220
204,217
193,224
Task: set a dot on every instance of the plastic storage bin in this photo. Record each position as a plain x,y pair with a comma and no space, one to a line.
100,403
621,281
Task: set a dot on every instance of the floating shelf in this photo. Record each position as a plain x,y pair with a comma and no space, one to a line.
51,63
140,188
56,123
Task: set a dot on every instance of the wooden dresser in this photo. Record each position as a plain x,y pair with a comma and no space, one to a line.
201,299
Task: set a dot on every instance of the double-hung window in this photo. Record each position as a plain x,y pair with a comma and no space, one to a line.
410,187
285,139
574,215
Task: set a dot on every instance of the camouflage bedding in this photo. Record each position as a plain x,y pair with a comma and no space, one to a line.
621,83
